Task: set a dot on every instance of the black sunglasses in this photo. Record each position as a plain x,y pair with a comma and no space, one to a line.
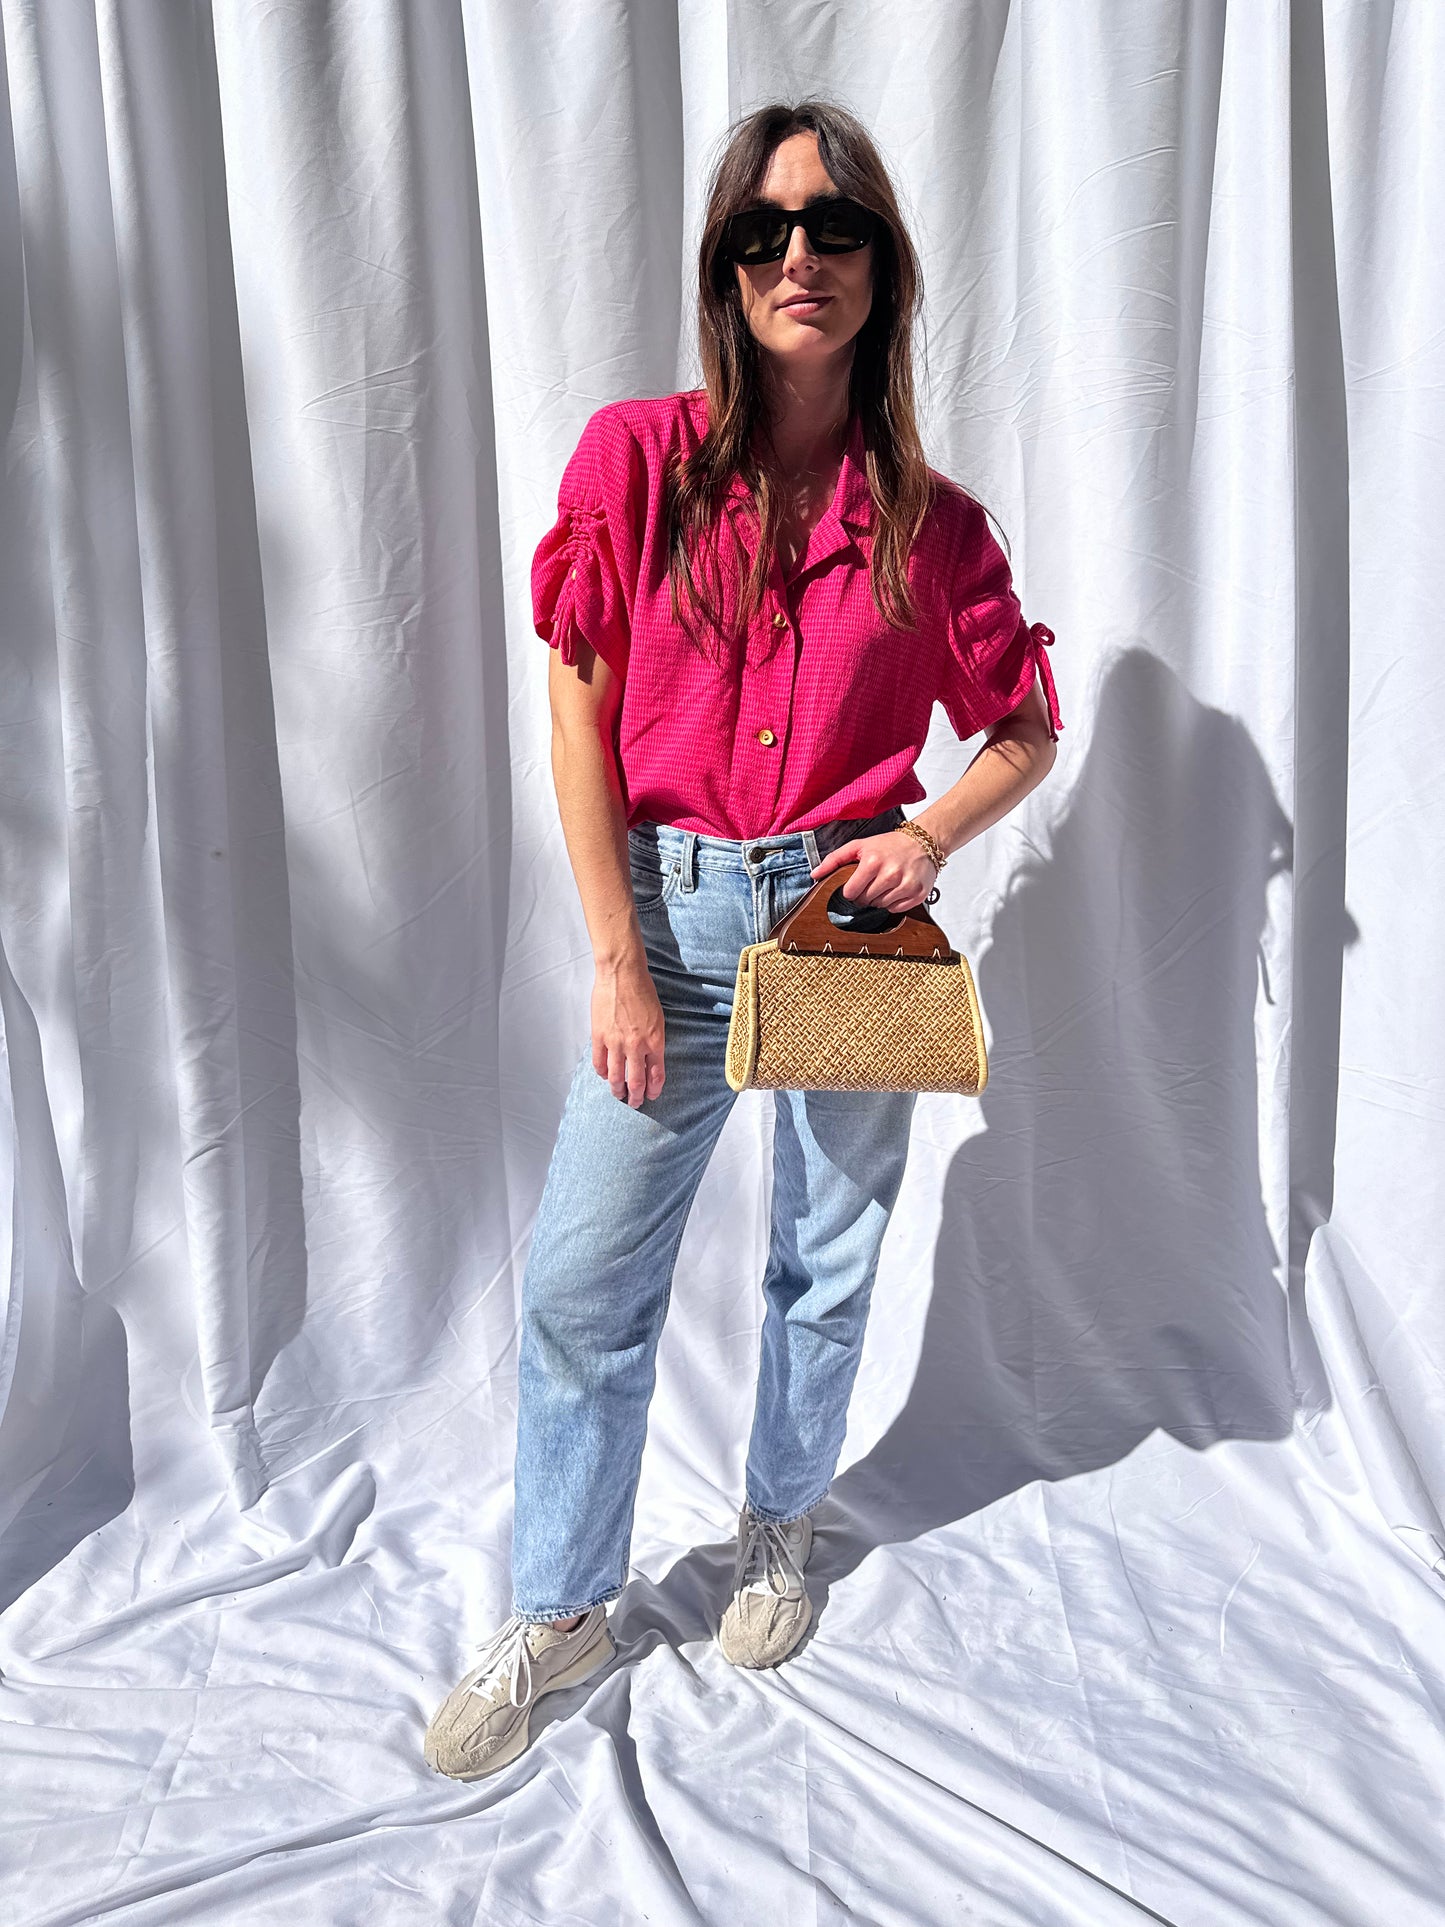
761,234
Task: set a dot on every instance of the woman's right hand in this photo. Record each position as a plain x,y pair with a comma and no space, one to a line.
628,1030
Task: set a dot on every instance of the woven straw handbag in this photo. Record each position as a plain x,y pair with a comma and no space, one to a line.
820,1008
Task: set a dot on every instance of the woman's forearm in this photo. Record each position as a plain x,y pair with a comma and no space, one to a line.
589,802
629,1031
1016,758
594,818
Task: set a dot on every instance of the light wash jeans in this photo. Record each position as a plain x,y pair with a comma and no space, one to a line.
617,1195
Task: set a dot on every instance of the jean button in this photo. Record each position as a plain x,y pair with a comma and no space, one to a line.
756,854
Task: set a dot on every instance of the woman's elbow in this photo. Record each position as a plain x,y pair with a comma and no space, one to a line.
1029,729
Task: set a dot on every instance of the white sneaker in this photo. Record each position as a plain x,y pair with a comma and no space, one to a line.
770,1608
482,1724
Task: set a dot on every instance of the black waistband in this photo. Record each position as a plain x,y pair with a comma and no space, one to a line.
829,835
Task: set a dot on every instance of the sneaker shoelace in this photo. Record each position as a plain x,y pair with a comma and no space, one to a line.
767,1552
506,1651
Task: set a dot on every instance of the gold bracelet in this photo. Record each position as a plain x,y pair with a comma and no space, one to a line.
929,843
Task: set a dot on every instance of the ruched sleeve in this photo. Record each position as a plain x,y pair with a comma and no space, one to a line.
584,572
993,655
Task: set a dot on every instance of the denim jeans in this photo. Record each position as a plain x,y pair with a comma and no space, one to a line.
618,1191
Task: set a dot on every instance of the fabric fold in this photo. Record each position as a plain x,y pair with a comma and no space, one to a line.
1041,637
575,588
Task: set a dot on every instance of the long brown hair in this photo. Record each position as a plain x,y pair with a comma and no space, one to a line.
881,383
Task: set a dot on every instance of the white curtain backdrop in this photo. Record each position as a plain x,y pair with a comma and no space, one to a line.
1132,1583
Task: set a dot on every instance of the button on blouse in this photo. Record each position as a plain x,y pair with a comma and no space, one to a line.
821,709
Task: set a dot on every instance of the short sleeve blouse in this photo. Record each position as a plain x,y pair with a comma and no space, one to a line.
822,708
584,573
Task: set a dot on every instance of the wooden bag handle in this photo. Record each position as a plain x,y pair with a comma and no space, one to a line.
808,928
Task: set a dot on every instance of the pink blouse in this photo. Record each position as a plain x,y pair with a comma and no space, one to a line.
822,708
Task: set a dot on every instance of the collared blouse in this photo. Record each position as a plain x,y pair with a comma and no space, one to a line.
822,707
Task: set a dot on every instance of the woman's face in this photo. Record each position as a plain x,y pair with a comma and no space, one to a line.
806,307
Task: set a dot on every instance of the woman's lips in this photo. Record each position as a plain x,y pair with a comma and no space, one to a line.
804,305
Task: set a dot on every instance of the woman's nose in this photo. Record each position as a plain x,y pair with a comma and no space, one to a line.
800,248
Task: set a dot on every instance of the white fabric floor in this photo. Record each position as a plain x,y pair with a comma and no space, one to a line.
1132,1585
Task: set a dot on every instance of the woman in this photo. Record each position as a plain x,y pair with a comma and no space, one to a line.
755,594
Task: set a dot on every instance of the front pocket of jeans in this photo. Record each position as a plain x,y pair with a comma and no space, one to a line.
652,882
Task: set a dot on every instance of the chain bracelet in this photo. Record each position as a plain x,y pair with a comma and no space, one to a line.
927,841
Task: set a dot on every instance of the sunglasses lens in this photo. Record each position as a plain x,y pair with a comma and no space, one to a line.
758,236
842,227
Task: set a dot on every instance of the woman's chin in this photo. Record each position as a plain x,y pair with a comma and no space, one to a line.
802,342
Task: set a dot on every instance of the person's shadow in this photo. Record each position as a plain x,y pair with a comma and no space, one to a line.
1104,1266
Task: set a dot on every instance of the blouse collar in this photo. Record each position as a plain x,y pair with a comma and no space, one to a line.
849,514
853,498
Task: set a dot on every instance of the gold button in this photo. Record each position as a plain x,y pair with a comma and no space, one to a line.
779,620
574,575
766,736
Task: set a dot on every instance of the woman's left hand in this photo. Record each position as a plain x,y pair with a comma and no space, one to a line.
894,870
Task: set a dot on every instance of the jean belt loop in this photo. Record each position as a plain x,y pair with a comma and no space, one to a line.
810,845
688,859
